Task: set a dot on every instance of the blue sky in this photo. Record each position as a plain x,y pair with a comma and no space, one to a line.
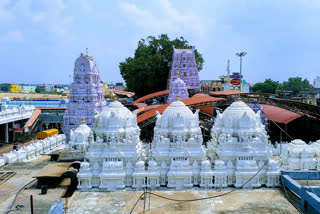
40,40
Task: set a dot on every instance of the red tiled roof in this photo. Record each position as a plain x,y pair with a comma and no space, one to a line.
126,93
147,108
140,105
198,98
207,110
279,115
33,118
226,92
151,95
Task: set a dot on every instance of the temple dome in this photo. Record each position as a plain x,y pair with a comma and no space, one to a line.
177,114
80,135
238,110
140,164
115,119
84,165
298,142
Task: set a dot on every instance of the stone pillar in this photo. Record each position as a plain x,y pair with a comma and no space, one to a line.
6,133
13,133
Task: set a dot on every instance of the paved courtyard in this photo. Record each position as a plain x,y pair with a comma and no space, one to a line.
242,201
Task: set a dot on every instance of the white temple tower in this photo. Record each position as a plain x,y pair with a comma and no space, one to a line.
240,142
115,151
177,148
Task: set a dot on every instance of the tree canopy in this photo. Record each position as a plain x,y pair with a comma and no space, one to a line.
268,86
294,84
38,90
148,70
5,87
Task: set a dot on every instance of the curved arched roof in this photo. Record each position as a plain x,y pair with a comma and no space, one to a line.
195,100
141,99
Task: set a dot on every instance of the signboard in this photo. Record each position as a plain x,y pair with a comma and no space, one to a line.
235,76
19,130
235,81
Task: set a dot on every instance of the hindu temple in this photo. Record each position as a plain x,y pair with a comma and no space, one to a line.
113,150
86,94
178,89
240,149
183,60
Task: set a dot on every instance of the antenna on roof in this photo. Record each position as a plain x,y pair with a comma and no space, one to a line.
87,51
228,67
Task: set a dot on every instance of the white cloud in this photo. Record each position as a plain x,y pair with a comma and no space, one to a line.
169,20
50,20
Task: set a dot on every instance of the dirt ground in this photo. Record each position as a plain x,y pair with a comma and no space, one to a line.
33,96
241,201
24,173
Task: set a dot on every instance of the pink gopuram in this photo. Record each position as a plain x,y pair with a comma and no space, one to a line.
86,95
178,90
183,60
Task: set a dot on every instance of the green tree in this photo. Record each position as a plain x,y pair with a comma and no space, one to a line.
5,87
148,70
268,86
38,89
295,84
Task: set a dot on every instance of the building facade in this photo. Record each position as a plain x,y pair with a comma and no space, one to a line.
29,89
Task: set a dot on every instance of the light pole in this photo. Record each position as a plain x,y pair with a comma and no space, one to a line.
241,54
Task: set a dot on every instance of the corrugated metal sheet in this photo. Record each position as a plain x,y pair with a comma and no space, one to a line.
196,99
151,95
126,93
33,118
226,92
279,115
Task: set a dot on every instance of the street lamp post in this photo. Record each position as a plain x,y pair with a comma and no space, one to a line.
241,54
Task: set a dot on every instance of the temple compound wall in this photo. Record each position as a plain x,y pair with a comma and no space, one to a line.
86,95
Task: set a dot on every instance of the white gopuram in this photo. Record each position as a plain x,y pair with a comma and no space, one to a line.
113,154
177,151
239,148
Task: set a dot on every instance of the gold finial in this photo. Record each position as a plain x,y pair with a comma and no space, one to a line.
239,97
82,120
178,74
177,97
